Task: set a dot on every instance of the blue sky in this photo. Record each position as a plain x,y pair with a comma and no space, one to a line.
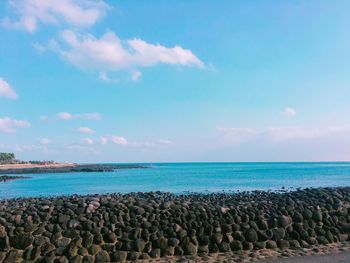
141,81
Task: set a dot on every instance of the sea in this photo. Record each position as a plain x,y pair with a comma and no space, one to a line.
182,178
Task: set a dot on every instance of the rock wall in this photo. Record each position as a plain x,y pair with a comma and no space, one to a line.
152,225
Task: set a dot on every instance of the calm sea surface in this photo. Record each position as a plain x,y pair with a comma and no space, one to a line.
182,177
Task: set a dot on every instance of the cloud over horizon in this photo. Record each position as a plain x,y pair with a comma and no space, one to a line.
86,130
289,112
44,141
279,134
94,116
87,141
119,140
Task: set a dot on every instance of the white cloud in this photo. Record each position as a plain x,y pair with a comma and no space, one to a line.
106,78
8,125
109,53
146,54
164,141
289,112
29,13
86,130
6,91
136,75
44,141
64,116
95,116
87,141
277,134
23,148
104,140
290,133
238,135
103,76
119,140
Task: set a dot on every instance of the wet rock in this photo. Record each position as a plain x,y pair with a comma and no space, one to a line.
283,244
139,245
284,221
237,235
190,249
76,259
144,256
224,247
247,245
133,256
102,256
21,241
110,237
251,235
61,259
294,243
217,238
63,219
236,245
175,242
120,256
4,243
155,253
88,259
278,234
260,245
317,216
271,244
14,255
94,249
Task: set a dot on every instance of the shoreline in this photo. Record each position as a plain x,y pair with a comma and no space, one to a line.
156,225
8,178
64,168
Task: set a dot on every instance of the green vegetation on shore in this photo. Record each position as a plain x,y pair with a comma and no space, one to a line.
7,158
10,158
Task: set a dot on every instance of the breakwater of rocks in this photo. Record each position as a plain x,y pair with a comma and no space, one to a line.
71,168
115,227
6,178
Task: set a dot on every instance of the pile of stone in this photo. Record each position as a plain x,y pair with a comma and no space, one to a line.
115,227
6,178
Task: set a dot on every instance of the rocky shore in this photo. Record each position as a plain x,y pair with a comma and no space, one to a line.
143,226
6,178
68,168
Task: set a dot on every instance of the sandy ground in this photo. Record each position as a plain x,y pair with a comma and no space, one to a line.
330,258
332,253
28,165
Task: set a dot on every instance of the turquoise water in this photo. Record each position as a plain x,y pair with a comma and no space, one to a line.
182,177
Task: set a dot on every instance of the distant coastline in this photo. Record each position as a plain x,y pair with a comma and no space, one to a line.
29,168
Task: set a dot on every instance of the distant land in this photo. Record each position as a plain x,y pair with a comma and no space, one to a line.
9,165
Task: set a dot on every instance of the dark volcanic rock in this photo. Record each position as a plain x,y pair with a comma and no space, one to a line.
21,241
116,228
102,256
251,235
6,178
119,256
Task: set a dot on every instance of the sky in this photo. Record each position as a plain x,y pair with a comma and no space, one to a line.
175,81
